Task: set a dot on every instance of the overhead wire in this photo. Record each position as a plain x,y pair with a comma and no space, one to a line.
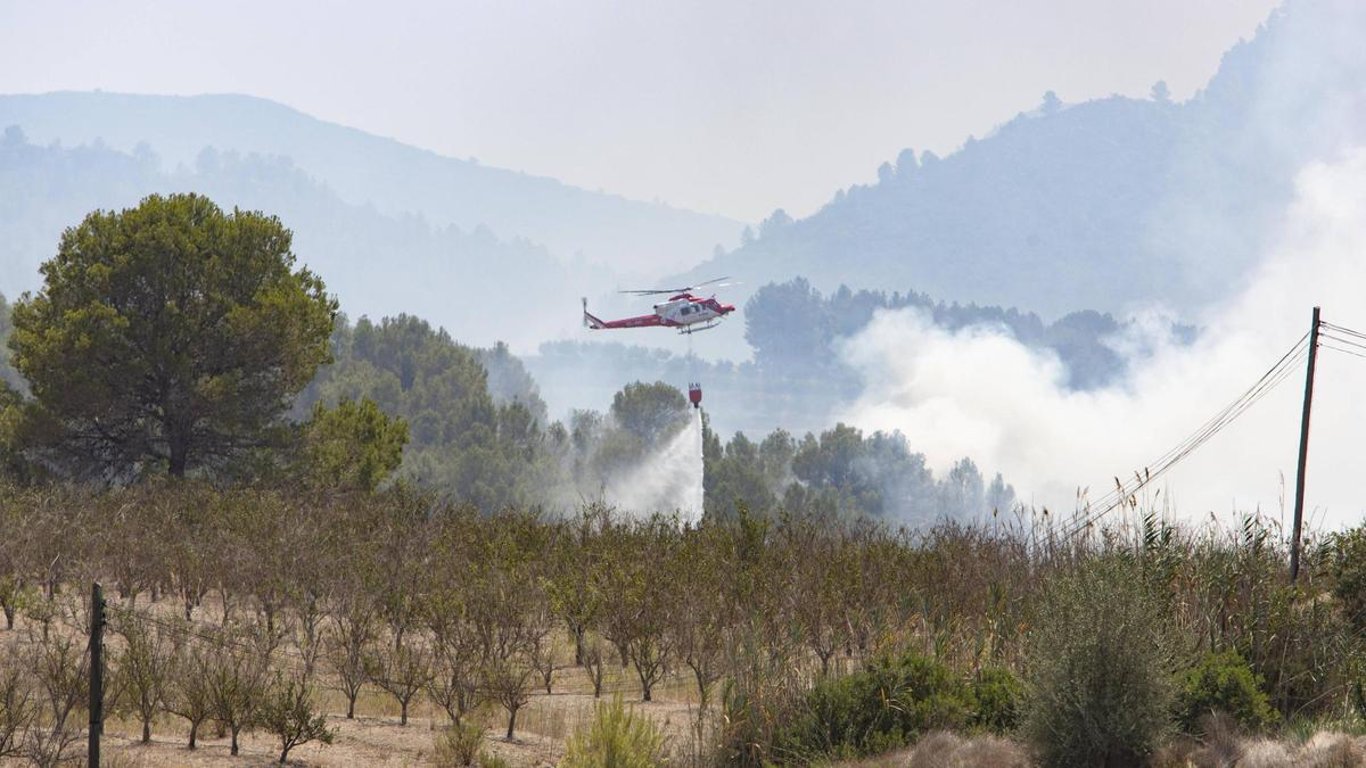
1270,379
1276,374
1361,354
1333,327
1343,340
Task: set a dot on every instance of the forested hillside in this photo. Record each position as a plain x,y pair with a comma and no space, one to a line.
484,288
398,180
1105,204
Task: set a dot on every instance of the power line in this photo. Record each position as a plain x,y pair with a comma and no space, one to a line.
1341,340
1269,380
1361,354
1278,372
1343,329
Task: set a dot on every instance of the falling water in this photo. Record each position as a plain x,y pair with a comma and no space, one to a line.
669,480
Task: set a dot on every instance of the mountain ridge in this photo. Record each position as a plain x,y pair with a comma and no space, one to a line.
633,237
1112,204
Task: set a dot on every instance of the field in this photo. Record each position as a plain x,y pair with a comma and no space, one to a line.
792,641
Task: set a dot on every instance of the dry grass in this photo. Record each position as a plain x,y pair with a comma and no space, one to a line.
1325,749
949,750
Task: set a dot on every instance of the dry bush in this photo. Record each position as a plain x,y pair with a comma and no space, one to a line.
1265,753
457,745
1331,750
1220,746
989,752
936,750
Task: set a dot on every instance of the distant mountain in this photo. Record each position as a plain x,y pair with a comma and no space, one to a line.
635,238
478,286
1107,204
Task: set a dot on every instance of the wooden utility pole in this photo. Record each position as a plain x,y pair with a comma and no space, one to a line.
1304,448
96,673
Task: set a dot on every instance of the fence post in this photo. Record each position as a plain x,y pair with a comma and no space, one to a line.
96,673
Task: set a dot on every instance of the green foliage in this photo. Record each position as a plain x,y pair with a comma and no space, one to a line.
13,423
996,696
1098,680
1348,564
287,710
617,738
169,335
460,441
352,446
1222,682
650,412
457,745
887,704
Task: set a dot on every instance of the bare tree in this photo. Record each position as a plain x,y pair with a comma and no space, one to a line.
701,615
542,658
237,680
592,663
190,695
146,667
508,609
454,682
353,629
508,682
401,670
17,705
61,668
648,610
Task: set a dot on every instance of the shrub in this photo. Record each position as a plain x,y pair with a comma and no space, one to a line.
287,710
616,739
996,694
458,745
886,705
1348,559
1222,682
1098,684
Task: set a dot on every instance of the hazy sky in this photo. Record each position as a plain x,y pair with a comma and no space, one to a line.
735,108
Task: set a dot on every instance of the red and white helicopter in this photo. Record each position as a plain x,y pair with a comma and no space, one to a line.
683,310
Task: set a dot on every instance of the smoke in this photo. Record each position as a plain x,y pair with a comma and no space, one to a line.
980,393
667,480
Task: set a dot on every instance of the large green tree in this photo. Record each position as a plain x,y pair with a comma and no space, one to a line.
169,335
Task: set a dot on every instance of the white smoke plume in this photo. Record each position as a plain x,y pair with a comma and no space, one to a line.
668,480
980,393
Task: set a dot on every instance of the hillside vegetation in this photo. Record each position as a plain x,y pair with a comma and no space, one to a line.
1105,204
396,179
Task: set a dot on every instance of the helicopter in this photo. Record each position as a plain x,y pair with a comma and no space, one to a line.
682,310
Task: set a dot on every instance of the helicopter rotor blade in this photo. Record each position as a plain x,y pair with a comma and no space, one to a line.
718,282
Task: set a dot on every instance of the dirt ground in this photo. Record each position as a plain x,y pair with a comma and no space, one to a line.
375,737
